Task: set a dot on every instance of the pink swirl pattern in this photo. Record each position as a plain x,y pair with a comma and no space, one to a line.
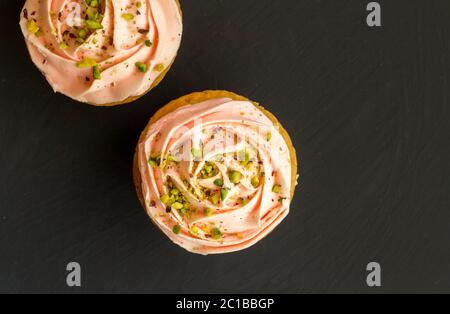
216,176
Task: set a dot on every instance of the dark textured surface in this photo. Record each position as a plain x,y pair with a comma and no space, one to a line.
368,110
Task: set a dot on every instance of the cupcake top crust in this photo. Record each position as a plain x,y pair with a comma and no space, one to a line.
102,51
216,176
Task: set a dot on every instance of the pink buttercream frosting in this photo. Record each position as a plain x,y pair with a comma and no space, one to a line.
65,46
216,176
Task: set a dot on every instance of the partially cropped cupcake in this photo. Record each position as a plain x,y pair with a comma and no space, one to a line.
102,52
215,172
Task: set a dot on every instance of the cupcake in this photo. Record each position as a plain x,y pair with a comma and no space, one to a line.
102,52
215,172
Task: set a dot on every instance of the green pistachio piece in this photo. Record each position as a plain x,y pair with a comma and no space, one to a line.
176,229
94,3
255,182
82,33
196,153
154,161
32,27
235,177
276,188
86,63
208,169
171,158
142,67
159,67
223,194
215,199
194,230
96,72
94,25
128,16
63,46
216,234
165,199
92,13
177,206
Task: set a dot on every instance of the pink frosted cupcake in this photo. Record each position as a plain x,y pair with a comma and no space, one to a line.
102,52
215,171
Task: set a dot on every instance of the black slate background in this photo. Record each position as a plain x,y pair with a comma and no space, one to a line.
368,110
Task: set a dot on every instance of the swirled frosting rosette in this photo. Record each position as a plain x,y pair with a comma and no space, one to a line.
102,52
215,172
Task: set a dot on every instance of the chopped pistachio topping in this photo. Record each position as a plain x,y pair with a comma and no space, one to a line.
268,136
276,188
176,229
255,182
171,158
194,230
82,33
244,202
159,67
215,198
138,4
177,206
165,199
196,153
128,16
94,25
223,194
209,212
235,177
218,182
92,14
96,72
142,67
63,45
216,233
154,161
148,43
208,171
32,26
94,3
86,63
175,199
